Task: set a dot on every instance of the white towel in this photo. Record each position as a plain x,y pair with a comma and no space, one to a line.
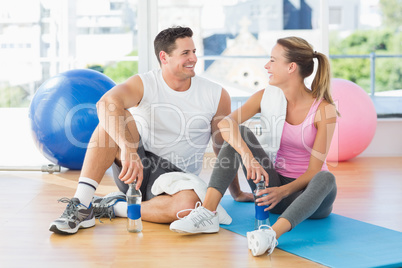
174,182
273,116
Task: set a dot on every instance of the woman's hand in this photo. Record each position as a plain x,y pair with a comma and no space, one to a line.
254,169
274,195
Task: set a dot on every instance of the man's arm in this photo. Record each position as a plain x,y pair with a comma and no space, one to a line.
121,127
224,109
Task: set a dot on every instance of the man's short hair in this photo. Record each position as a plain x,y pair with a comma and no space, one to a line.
166,39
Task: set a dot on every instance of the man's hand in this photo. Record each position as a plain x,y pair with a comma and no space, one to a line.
132,169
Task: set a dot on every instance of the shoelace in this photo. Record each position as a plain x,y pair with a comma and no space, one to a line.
271,248
265,225
197,205
198,219
71,208
103,210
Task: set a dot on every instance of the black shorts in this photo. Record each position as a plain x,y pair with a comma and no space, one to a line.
153,165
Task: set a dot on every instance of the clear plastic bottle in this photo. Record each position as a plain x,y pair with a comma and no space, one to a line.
261,216
134,223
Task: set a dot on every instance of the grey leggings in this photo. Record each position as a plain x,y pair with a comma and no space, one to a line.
314,202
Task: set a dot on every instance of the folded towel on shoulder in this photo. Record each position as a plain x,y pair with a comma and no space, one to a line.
273,115
174,182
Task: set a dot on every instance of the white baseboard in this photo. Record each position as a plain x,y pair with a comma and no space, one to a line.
387,141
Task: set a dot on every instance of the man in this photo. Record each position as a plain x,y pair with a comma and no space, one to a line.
175,115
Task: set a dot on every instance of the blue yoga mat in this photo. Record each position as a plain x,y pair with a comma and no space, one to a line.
335,241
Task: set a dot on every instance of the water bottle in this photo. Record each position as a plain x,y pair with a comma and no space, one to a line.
261,216
134,196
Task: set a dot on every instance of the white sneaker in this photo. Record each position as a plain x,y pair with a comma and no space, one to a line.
200,220
262,240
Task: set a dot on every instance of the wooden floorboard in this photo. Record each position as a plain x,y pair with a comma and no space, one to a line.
369,189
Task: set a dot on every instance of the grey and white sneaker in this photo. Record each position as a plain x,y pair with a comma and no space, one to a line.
262,240
200,220
104,206
74,217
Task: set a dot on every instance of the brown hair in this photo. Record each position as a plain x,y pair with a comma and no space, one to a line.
299,51
166,39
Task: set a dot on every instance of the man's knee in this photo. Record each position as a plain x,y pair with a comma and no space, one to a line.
183,200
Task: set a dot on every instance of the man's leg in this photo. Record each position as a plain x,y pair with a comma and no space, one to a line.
101,153
164,208
161,208
79,213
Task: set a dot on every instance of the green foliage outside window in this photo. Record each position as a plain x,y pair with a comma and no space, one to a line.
388,71
119,72
13,96
392,10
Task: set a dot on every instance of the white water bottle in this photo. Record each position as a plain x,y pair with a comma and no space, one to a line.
134,196
261,216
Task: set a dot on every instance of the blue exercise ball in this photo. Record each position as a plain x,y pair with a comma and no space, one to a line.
63,115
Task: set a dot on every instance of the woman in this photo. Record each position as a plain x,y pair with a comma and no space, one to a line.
299,184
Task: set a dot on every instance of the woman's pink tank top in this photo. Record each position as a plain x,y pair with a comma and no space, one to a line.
297,142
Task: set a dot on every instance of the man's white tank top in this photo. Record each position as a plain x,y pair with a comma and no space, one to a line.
177,125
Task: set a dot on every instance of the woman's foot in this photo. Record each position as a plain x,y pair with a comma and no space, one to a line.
262,240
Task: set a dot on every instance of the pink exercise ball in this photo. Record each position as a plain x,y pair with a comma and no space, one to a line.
357,124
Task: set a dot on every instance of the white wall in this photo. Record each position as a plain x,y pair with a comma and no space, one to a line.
387,139
18,149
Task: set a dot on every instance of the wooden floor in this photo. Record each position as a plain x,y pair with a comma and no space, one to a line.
369,189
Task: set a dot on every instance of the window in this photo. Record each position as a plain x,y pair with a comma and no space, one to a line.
58,36
335,15
234,38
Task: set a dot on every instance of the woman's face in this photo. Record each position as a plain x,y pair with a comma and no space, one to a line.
277,66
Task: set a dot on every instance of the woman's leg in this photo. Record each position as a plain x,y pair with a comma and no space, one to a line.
314,202
228,163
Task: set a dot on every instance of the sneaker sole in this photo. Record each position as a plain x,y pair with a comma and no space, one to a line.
254,244
85,224
249,243
181,231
